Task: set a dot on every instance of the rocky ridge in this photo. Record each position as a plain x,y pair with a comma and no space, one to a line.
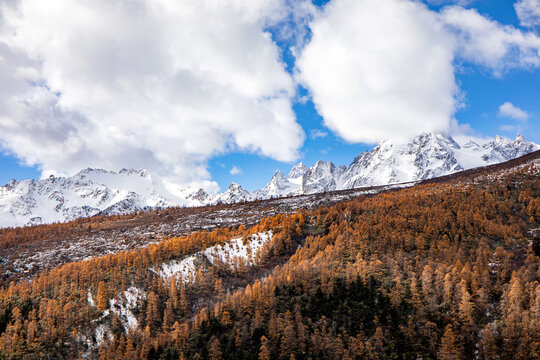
96,191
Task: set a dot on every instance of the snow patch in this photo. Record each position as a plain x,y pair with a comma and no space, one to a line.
230,253
184,268
236,249
102,333
90,299
123,308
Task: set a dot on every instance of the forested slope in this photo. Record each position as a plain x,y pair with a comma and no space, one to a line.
443,270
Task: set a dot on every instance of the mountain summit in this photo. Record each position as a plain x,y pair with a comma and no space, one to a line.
426,156
96,191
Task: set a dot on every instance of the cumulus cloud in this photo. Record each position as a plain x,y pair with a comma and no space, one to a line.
379,68
509,110
488,43
386,68
162,85
528,12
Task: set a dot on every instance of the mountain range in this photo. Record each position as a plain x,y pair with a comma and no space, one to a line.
96,191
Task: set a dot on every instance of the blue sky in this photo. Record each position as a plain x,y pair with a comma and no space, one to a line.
483,92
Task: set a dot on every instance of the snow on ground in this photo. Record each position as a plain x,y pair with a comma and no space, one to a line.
236,249
122,306
90,299
533,166
184,268
230,253
103,331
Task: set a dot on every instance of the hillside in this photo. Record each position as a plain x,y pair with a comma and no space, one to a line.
446,268
27,251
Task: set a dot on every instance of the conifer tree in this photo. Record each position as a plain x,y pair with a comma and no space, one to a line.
264,351
449,349
215,349
102,299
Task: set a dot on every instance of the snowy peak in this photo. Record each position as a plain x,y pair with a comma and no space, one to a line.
235,188
298,170
278,178
322,167
136,172
429,155
200,196
235,193
278,181
502,149
87,193
471,145
281,185
520,139
320,177
433,155
323,176
425,156
432,143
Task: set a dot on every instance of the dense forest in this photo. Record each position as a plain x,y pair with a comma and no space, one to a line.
447,270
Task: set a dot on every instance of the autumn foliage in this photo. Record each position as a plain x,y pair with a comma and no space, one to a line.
437,271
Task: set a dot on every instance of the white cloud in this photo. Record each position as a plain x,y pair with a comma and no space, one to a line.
166,84
379,69
444,2
235,170
490,44
511,111
528,12
291,25
317,133
162,85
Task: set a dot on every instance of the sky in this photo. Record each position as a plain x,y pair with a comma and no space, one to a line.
205,93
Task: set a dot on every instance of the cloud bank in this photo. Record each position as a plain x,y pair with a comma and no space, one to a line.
371,80
163,85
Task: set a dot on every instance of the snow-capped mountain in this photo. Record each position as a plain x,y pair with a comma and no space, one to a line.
95,191
87,193
426,156
235,193
279,185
